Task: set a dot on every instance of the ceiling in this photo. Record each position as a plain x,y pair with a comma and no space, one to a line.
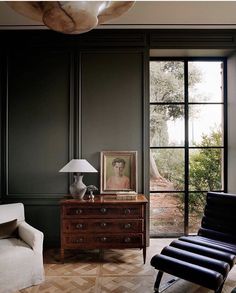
150,14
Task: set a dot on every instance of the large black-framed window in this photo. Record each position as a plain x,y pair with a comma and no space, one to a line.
188,140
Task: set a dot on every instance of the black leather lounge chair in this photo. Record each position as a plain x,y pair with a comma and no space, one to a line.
204,259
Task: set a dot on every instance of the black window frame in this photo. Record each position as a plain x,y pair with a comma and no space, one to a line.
186,146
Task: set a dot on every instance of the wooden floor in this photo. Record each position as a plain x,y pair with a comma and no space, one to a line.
116,271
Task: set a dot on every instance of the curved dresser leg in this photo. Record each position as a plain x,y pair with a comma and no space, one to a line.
144,255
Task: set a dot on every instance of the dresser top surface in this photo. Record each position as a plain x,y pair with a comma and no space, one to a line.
105,199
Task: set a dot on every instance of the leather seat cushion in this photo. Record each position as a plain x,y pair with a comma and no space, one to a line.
216,244
197,259
188,271
205,251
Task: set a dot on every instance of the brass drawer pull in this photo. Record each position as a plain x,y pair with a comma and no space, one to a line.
79,226
103,225
127,226
127,239
80,240
78,212
103,239
103,210
127,211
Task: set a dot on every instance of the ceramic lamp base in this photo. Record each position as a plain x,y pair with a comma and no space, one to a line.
78,188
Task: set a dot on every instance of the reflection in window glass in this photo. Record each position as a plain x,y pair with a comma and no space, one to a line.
197,203
166,213
166,81
205,82
166,125
167,169
205,169
206,125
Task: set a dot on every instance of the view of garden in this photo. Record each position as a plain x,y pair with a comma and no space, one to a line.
186,141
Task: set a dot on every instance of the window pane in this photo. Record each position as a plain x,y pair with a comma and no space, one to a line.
197,202
166,81
206,125
205,81
171,98
205,169
166,214
167,169
166,125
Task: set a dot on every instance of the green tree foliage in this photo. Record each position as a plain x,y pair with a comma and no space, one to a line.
205,169
171,164
167,86
166,81
205,164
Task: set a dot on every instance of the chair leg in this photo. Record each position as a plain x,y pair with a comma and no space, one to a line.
166,285
220,289
158,282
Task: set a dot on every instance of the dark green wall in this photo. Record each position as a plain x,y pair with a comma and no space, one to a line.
112,100
61,103
65,97
38,122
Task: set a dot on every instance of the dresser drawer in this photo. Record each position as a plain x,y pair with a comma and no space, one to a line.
106,211
103,241
103,225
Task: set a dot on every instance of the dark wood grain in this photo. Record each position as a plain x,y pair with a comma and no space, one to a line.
103,223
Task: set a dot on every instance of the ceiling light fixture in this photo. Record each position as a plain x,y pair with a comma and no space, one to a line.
71,17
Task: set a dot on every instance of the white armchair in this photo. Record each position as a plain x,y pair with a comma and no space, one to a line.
21,259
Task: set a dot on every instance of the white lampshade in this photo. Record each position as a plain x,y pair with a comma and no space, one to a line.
78,166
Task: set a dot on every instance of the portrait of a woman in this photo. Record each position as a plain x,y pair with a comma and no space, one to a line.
118,180
118,172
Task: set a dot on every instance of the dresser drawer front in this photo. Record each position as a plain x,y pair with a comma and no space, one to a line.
103,226
106,211
103,241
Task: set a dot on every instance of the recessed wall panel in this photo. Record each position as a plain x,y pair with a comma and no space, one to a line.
37,122
112,87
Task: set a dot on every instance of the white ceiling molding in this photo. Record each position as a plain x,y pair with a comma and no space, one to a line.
150,14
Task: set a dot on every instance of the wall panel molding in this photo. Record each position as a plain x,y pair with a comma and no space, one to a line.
33,124
193,38
112,106
98,66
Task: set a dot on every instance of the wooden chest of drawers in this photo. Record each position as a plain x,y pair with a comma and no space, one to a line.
103,223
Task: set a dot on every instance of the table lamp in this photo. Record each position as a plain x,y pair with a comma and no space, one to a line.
78,167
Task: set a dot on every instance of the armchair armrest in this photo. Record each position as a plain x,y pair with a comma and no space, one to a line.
32,236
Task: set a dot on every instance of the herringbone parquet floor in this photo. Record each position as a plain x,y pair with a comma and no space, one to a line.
115,271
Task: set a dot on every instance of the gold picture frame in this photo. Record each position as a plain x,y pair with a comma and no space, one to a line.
118,171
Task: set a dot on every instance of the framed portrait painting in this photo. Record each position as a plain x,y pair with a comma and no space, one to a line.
118,171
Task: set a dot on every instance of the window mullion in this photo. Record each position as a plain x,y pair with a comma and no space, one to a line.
186,146
225,129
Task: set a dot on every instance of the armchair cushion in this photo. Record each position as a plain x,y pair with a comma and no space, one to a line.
19,266
9,212
8,229
31,236
21,259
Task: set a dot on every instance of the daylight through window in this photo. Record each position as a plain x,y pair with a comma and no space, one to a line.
187,141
